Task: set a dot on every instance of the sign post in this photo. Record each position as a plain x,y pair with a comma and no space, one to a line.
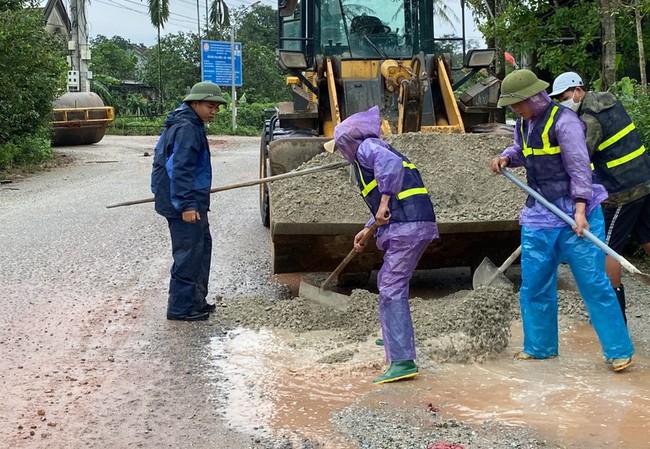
220,67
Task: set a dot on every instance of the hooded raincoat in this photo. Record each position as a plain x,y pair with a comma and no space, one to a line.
551,145
381,170
180,180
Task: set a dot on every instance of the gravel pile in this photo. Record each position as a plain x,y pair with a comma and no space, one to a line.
454,168
463,327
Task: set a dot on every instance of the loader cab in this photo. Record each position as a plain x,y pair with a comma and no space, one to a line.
363,29
358,39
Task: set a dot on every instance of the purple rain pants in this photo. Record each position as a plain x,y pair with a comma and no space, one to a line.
400,260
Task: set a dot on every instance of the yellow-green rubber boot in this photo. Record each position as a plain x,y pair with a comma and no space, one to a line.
404,369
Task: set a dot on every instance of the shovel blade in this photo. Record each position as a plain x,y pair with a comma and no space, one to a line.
488,275
329,298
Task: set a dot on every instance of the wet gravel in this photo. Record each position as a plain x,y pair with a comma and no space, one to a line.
420,426
454,167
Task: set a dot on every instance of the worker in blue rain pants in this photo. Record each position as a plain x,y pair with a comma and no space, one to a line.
549,141
393,190
180,180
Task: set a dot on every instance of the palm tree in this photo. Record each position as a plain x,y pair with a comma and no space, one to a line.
219,14
159,14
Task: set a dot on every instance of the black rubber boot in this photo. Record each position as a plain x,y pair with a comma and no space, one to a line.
620,295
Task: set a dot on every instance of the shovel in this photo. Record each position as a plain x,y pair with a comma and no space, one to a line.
487,273
642,277
290,174
322,293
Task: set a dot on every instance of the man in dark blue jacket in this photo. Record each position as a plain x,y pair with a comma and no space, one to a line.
180,181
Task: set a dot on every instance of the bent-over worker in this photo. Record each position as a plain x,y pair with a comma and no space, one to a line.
393,189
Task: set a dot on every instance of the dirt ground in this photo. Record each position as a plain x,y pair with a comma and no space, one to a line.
90,361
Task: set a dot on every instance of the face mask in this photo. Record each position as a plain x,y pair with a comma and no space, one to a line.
569,103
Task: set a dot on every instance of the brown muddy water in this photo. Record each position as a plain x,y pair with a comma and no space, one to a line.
574,400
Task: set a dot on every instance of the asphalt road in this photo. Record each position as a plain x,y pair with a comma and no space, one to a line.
88,358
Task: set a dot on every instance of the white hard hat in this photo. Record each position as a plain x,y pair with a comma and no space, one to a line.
565,81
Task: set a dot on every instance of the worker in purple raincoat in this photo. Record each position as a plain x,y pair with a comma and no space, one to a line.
549,141
393,189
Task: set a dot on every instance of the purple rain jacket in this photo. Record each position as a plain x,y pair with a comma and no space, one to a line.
570,132
358,138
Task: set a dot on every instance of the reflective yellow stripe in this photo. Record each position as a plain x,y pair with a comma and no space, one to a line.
526,149
366,187
540,151
546,149
369,187
545,138
410,192
626,158
616,137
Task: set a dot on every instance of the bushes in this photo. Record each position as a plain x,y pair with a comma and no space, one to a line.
637,105
27,150
250,119
32,73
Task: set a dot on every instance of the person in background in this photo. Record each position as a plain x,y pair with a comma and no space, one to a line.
620,163
549,142
180,181
398,200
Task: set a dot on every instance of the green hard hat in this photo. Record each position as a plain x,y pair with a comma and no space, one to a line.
520,85
205,91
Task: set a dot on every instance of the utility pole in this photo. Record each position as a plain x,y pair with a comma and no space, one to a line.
233,89
79,45
198,19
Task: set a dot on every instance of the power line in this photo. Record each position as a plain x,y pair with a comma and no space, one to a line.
179,22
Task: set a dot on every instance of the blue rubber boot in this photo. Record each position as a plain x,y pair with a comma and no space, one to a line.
404,369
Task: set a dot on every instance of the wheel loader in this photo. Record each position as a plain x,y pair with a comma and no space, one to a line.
344,57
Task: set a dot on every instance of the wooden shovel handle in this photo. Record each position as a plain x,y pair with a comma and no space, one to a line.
326,283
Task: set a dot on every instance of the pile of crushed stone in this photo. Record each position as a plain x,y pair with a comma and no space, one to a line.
454,167
464,327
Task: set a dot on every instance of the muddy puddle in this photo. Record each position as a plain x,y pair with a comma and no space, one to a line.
277,386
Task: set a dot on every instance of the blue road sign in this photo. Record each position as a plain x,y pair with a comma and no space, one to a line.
216,62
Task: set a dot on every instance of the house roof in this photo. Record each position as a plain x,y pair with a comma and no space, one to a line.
56,17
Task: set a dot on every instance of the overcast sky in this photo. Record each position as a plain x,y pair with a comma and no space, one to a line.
130,18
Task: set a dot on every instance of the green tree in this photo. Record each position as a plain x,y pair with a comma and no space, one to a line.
27,51
159,15
179,66
550,35
110,59
257,30
260,26
263,81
